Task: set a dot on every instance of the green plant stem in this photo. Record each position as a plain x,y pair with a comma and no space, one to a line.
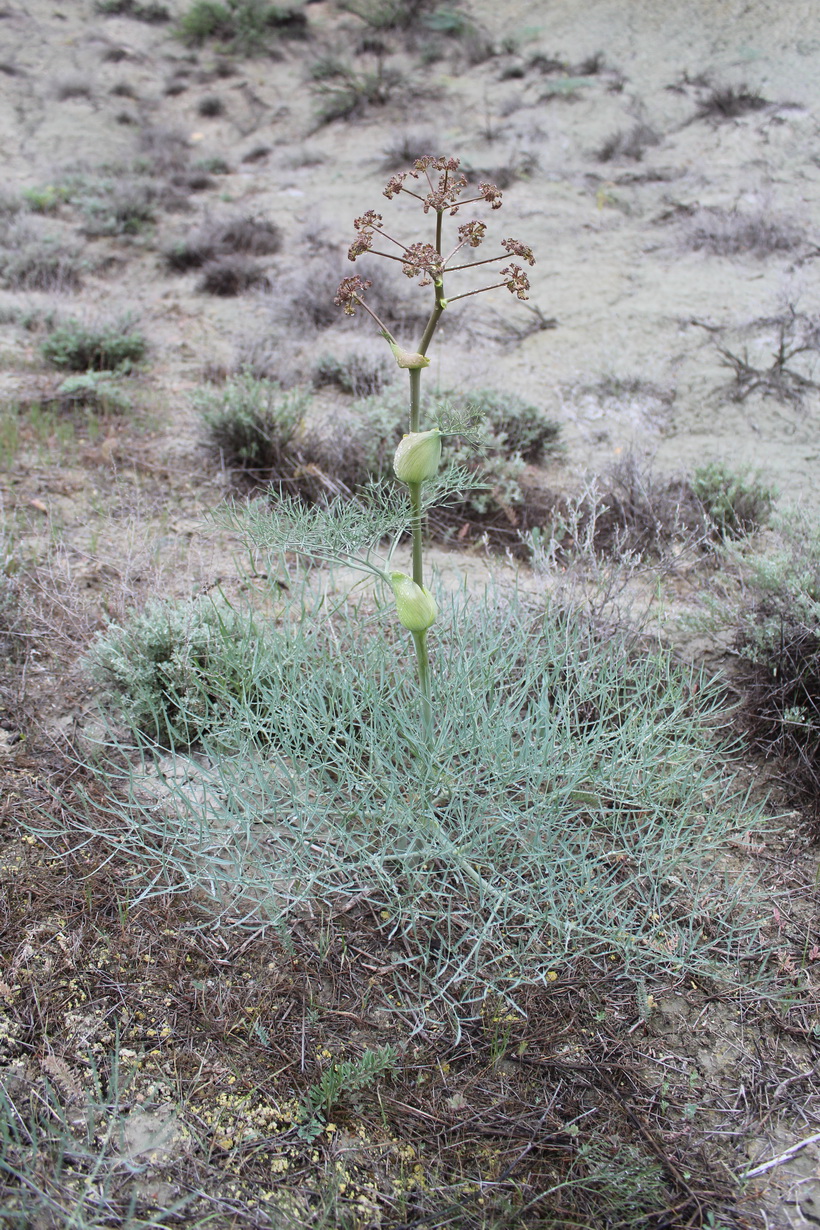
416,529
415,397
430,327
420,642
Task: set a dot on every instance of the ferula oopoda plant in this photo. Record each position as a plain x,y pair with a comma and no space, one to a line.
439,190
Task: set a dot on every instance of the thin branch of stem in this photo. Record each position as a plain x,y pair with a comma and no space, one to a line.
474,264
481,291
370,312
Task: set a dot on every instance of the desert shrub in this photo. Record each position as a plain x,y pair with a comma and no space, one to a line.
220,238
252,424
10,205
388,14
212,166
358,374
45,200
340,456
163,151
93,390
152,13
521,164
104,347
629,512
31,259
737,502
631,144
349,92
123,206
173,670
243,26
730,232
788,371
228,276
778,646
406,147
74,87
728,102
12,623
301,303
210,106
518,427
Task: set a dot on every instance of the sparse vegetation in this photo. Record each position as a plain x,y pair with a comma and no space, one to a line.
173,670
631,144
389,14
252,425
737,502
123,206
358,374
245,27
561,896
149,12
345,92
406,147
210,106
219,239
228,276
71,88
630,513
79,347
33,259
778,644
731,232
727,102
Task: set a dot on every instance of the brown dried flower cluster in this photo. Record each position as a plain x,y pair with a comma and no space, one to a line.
472,233
445,186
516,281
350,292
422,258
516,248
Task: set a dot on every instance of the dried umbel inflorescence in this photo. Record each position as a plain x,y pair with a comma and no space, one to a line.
445,195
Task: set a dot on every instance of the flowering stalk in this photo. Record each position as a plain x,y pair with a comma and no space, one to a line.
437,185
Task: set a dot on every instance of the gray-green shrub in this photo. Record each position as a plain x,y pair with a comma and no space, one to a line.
173,671
778,646
243,26
737,502
253,424
104,347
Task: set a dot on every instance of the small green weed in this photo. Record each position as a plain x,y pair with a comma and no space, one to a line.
338,1081
107,347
